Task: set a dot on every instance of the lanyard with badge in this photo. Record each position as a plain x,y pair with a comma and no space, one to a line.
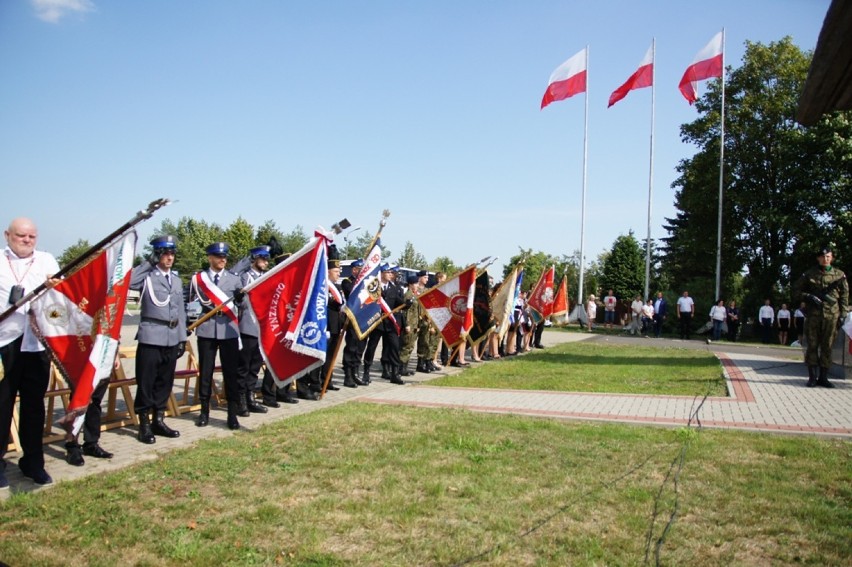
17,291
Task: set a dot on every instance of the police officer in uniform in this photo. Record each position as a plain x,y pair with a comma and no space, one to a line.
219,334
335,317
250,358
825,289
161,337
353,348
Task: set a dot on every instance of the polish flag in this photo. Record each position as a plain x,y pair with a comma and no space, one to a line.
567,80
706,65
643,77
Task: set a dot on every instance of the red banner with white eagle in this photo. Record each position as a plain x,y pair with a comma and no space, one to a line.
79,322
541,297
290,303
450,305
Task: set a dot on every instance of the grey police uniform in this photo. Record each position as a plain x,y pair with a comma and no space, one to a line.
250,357
219,333
162,329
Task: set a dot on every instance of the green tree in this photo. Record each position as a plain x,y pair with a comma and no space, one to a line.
444,264
786,187
411,258
623,269
240,237
193,237
294,240
266,231
72,252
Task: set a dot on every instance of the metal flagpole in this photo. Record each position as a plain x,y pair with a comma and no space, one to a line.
651,168
721,179
583,201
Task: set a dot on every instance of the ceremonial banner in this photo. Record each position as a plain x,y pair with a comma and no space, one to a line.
503,303
540,300
365,306
560,303
483,324
518,283
79,323
450,306
567,80
643,77
290,305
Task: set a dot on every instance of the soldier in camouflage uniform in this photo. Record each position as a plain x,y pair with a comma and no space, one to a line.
826,291
411,326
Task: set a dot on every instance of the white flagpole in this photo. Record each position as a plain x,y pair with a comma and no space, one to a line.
721,179
583,201
651,168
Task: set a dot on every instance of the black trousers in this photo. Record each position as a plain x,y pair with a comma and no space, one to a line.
229,354
250,362
27,375
155,376
372,342
92,421
685,325
353,348
390,348
539,330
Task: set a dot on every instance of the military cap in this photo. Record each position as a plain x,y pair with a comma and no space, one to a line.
359,263
333,263
385,267
259,252
422,273
412,279
217,249
164,243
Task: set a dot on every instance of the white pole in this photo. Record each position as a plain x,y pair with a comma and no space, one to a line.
651,168
583,201
721,180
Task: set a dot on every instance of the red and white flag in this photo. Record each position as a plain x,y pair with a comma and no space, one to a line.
560,303
450,305
643,77
706,65
541,297
567,80
290,305
79,322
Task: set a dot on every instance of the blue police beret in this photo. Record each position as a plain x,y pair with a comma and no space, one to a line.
260,252
164,243
217,249
359,263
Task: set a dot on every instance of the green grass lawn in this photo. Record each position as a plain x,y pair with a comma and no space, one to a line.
361,484
591,367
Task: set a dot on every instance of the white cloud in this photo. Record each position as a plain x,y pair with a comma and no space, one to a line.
54,10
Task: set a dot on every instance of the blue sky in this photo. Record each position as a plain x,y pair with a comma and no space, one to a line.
306,112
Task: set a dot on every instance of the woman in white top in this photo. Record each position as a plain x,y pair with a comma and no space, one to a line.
783,318
591,311
718,314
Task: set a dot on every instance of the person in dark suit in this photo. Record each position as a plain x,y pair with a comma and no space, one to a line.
391,326
219,334
660,311
335,317
161,336
250,358
353,348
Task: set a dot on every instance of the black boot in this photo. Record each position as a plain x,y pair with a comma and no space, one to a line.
240,407
823,378
431,366
160,428
145,434
354,372
348,377
386,371
366,380
204,415
233,409
394,375
252,405
304,391
404,371
812,377
421,366
74,454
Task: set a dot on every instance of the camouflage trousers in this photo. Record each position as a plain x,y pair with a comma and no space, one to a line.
820,333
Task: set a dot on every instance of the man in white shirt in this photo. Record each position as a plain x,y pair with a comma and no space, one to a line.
635,314
685,311
25,363
766,315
